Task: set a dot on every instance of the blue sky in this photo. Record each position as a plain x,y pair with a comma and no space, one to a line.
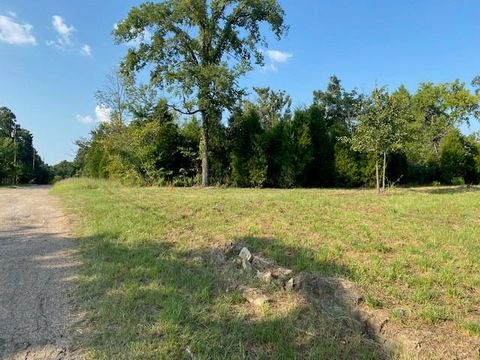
54,54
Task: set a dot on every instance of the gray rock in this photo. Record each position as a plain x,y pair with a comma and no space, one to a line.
233,249
290,285
265,276
246,265
282,273
261,264
237,261
246,255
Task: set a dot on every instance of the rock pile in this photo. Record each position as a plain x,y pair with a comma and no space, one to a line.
339,299
336,297
259,266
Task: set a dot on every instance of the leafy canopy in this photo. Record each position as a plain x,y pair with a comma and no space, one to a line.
381,127
197,49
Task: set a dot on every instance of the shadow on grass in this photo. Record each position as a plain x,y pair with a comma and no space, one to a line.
449,190
151,300
298,258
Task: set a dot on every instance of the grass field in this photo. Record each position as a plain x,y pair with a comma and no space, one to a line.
413,252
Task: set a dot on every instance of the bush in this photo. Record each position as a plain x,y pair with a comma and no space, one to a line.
453,158
458,181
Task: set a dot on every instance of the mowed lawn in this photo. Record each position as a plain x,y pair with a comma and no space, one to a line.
414,253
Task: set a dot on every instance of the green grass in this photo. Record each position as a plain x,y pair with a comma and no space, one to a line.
148,297
473,327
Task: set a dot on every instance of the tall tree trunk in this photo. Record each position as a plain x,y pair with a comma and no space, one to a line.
377,172
205,146
384,170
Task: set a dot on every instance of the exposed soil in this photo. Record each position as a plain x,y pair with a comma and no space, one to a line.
37,270
342,301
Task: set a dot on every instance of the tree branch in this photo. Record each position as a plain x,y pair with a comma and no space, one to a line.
231,21
183,112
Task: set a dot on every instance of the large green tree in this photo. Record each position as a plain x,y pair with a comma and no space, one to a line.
312,148
6,156
340,109
438,109
19,161
274,108
197,49
9,133
7,122
247,162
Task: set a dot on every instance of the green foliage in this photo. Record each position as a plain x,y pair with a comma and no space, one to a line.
273,106
197,52
64,170
152,151
7,122
19,161
219,166
381,125
339,140
438,108
453,159
472,161
313,148
381,128
348,166
247,159
279,156
6,155
340,107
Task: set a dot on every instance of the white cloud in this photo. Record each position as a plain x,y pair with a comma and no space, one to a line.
65,39
86,50
85,119
15,33
103,113
278,56
64,31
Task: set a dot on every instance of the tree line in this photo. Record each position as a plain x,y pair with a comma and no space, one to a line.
194,52
19,161
343,139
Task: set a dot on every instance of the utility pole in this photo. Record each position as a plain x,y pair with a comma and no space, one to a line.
14,135
34,154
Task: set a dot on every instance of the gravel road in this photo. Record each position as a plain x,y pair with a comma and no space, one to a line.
37,269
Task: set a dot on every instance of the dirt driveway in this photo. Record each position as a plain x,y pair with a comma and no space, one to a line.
37,267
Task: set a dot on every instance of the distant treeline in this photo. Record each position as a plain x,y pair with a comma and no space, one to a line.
19,161
341,140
